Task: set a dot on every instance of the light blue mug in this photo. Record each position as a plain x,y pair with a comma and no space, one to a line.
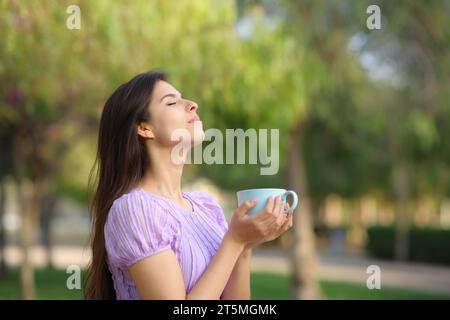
263,195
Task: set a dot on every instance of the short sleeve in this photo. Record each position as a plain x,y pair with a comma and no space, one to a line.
135,229
214,208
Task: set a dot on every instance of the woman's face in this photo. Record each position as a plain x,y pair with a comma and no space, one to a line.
171,114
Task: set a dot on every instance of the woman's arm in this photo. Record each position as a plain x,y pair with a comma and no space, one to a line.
238,286
213,282
160,277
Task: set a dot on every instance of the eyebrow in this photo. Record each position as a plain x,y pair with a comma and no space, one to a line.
168,95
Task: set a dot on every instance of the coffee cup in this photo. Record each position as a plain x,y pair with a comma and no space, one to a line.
262,195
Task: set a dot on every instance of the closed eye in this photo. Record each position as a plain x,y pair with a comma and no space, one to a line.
171,104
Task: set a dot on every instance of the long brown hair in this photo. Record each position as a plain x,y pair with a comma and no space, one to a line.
120,164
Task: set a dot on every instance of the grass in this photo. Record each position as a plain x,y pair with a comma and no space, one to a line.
51,284
275,286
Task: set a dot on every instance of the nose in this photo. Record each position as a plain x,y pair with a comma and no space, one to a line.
192,106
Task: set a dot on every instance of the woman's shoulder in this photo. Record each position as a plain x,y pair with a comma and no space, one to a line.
131,195
137,203
127,200
136,196
136,228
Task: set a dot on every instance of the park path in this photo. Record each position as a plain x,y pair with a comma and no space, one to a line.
345,266
352,267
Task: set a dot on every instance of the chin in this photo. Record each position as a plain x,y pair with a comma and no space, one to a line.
197,134
198,139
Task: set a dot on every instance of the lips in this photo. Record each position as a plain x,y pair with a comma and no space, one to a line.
194,119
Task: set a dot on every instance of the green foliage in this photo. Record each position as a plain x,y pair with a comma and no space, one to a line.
381,241
426,244
294,66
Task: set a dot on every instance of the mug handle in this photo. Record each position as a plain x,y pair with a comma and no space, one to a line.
294,200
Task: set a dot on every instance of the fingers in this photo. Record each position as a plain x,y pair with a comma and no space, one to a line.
274,220
281,229
281,219
287,224
287,206
278,206
270,204
276,224
266,213
243,208
271,214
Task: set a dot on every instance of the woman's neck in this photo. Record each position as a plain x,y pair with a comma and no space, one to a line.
163,176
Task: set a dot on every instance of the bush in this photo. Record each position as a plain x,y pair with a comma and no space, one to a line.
425,244
380,242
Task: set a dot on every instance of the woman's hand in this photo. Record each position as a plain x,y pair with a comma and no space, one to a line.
266,225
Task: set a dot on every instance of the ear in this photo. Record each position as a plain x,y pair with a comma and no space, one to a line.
144,130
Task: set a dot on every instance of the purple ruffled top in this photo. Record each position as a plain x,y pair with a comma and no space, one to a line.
141,224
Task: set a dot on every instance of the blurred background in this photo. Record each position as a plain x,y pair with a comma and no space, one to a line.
363,114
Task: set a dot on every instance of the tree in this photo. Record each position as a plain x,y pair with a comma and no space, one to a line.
411,47
40,103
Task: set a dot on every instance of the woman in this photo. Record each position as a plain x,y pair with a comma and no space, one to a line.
150,240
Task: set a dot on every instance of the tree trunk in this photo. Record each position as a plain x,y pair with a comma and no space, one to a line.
47,214
28,194
400,182
303,251
2,232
